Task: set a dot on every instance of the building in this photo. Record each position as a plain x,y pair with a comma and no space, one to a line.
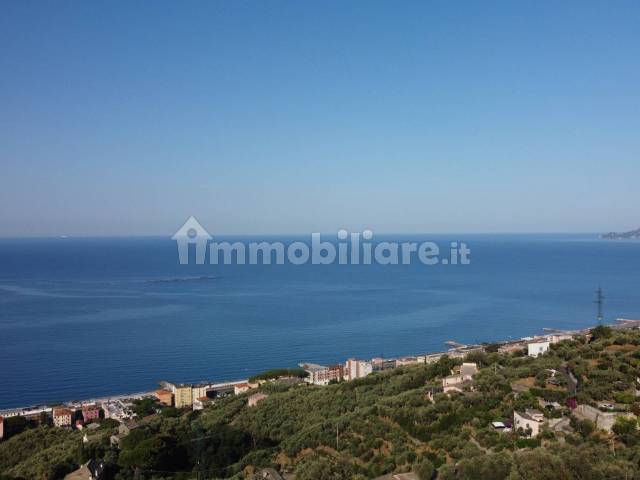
183,396
530,421
90,413
401,362
511,347
460,381
241,388
559,337
62,417
537,348
1,428
468,370
199,391
165,397
255,399
433,357
116,410
602,420
357,369
456,383
382,364
500,427
321,375
92,470
201,402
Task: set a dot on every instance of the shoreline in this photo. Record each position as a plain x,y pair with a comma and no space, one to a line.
458,350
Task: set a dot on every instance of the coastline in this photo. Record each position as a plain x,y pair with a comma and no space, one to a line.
458,351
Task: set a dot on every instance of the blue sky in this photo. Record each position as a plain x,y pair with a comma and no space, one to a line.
124,118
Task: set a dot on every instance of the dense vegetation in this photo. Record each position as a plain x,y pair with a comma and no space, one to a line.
389,422
279,373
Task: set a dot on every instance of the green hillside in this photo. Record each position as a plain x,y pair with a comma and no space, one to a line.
390,422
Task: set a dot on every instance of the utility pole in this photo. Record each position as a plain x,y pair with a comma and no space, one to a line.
600,302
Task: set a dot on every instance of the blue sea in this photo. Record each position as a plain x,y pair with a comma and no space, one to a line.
82,318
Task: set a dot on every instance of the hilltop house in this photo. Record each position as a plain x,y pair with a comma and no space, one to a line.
530,421
537,348
460,381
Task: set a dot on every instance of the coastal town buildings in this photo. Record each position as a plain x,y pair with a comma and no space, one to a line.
404,361
165,397
201,402
197,396
62,417
90,413
381,364
183,396
116,410
357,369
321,375
529,422
199,390
559,337
244,387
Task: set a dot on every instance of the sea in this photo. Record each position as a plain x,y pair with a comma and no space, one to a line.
91,317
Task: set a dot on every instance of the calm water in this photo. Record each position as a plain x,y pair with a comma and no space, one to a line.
88,317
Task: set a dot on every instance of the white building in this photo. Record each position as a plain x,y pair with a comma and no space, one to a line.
321,375
457,382
357,369
537,348
201,402
530,421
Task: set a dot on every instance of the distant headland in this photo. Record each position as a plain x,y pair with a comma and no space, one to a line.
633,234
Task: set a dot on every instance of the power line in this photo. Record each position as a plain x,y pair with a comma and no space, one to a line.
600,302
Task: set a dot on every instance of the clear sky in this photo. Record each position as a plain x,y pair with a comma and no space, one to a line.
124,118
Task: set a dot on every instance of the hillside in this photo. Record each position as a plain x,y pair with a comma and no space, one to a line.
396,421
633,234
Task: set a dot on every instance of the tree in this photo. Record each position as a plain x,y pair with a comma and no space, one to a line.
424,470
625,426
145,407
317,467
601,332
538,464
14,426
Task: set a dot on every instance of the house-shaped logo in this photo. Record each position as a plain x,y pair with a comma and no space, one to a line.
192,232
